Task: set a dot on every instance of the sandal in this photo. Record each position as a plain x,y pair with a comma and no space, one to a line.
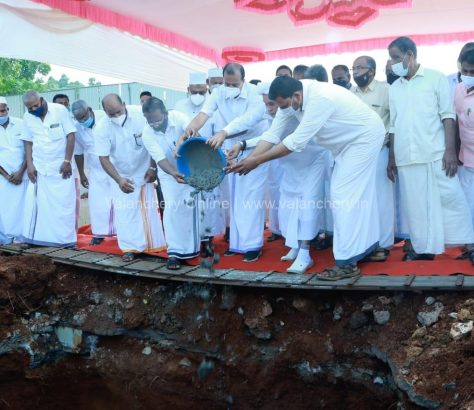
128,257
379,255
467,254
339,272
173,263
299,267
96,241
274,237
413,256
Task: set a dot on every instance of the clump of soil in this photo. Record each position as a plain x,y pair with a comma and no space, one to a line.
144,344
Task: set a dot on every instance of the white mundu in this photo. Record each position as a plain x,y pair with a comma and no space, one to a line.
50,204
436,210
338,121
101,210
137,219
376,97
181,215
301,207
12,157
247,211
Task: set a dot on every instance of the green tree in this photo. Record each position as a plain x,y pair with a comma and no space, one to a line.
18,76
93,82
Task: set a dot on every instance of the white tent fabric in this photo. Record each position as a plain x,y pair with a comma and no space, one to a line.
36,32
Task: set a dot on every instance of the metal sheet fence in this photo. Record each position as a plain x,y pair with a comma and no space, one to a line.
129,92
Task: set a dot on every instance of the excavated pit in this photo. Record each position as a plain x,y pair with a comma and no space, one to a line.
73,338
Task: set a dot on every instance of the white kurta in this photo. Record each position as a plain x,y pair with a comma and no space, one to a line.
181,216
434,205
247,209
101,209
338,121
50,204
210,202
137,218
12,156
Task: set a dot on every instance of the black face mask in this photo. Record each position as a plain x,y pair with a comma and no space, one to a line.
342,83
391,78
362,80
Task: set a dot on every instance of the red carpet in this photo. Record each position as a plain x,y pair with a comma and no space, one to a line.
445,264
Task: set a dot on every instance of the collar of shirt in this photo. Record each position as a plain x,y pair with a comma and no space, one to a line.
419,73
370,88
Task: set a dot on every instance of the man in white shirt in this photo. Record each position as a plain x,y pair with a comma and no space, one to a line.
50,204
375,94
13,178
341,76
122,154
338,121
423,155
181,219
101,210
242,111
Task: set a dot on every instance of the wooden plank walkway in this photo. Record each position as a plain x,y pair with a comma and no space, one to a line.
156,268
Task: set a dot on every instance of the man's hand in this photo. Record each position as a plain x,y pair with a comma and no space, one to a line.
391,169
178,177
31,172
188,133
84,181
450,163
66,170
150,175
126,185
217,139
234,151
245,166
16,178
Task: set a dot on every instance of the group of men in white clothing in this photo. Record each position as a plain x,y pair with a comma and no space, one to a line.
364,164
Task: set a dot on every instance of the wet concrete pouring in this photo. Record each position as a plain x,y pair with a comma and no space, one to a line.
73,338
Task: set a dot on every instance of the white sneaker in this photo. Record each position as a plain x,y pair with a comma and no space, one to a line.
291,255
300,266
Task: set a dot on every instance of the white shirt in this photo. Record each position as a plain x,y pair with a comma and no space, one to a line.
331,115
85,144
417,108
12,149
186,107
124,145
49,137
162,145
244,113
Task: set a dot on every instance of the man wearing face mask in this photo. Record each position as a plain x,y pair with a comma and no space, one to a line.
13,179
215,78
341,76
338,121
464,105
122,154
423,155
391,77
181,218
375,94
455,79
242,111
50,204
99,183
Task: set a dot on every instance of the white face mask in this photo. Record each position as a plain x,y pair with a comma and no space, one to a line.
468,81
232,92
197,99
118,120
399,69
213,87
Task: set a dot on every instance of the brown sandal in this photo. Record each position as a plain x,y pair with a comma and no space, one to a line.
339,272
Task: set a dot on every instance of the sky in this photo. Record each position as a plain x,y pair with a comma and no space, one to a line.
441,57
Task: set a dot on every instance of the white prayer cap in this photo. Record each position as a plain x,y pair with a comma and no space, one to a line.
197,78
214,72
3,100
263,88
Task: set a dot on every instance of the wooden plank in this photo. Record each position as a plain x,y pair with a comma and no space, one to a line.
206,273
468,282
244,276
353,280
330,284
434,282
409,280
381,281
147,266
13,248
113,261
41,250
284,278
91,257
459,281
65,253
184,269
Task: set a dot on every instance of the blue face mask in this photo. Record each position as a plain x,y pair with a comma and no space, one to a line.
4,119
87,123
38,112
